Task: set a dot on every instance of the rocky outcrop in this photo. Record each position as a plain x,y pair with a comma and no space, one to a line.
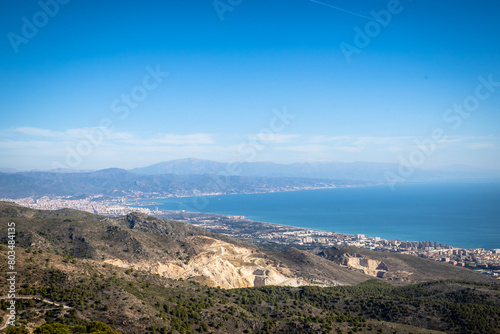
219,264
368,266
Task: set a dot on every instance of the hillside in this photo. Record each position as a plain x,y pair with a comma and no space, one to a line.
171,249
180,250
396,267
141,274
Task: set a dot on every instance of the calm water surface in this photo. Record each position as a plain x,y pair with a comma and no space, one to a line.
459,214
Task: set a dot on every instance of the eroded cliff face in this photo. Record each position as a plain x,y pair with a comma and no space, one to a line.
219,264
368,266
375,268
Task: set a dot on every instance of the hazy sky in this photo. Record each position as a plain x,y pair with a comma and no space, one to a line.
96,84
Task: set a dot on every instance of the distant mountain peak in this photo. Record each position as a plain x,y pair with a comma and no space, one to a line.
357,170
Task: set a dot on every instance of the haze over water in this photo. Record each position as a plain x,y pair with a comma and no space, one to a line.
463,215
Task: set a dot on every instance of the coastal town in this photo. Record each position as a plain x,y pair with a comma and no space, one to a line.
274,235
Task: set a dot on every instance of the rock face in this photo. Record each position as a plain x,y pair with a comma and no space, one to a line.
368,266
194,253
219,264
389,266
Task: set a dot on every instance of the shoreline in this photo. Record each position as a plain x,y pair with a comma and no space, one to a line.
258,192
246,219
276,236
393,226
124,205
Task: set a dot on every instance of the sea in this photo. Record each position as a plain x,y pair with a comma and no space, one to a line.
460,214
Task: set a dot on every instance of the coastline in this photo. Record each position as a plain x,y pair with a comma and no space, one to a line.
309,219
213,194
282,235
278,236
442,212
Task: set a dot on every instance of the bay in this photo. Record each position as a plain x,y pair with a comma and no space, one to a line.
465,214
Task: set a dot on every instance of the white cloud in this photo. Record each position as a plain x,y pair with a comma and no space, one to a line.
35,147
355,144
305,148
109,135
383,140
277,138
394,148
96,146
480,146
349,148
23,147
38,132
189,139
326,139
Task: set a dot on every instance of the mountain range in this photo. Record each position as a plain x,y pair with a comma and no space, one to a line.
119,183
359,171
193,177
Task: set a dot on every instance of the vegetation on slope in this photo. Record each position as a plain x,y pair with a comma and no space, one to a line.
139,302
63,279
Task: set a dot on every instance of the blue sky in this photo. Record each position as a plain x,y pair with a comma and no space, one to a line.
80,91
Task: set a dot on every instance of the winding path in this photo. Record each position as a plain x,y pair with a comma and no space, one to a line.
6,316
